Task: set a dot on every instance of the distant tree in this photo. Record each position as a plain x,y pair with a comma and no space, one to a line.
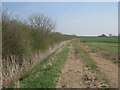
103,35
42,22
118,34
110,35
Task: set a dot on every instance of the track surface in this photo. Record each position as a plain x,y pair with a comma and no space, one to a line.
72,73
76,75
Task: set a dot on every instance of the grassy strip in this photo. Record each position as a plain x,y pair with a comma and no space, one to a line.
31,73
47,78
90,63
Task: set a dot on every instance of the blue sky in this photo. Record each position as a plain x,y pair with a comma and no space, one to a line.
80,18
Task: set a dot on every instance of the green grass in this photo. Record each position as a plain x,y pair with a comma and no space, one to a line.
38,77
103,45
107,47
107,50
90,63
111,48
99,39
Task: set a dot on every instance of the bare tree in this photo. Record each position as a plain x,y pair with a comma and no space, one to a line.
42,22
9,16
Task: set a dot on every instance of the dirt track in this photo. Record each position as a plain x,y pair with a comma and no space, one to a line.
76,75
72,72
106,66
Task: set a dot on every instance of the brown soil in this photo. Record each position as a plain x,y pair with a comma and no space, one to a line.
75,74
107,67
72,73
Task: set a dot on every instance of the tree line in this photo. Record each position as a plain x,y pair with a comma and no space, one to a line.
24,37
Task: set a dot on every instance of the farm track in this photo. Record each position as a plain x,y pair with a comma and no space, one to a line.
72,72
75,74
107,67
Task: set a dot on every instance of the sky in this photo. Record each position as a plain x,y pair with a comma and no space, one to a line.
79,18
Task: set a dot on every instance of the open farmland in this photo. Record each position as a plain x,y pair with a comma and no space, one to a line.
59,45
75,65
106,47
100,39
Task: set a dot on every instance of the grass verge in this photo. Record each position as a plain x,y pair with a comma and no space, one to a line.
44,75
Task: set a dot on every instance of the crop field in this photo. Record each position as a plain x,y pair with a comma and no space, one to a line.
100,39
107,47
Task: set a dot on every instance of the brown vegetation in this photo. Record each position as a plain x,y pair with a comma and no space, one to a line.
24,45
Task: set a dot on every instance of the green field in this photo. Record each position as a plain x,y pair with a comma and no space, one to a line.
107,47
99,39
